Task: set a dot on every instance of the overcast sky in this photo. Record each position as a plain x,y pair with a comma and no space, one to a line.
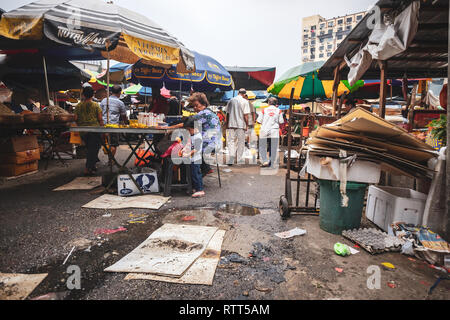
246,33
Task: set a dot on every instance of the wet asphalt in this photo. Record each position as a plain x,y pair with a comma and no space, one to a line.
39,227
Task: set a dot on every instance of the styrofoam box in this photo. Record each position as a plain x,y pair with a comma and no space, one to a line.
386,205
360,171
147,181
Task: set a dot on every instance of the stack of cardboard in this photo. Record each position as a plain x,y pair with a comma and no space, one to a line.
18,155
372,138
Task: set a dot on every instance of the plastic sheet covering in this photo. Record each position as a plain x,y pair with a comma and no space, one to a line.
386,41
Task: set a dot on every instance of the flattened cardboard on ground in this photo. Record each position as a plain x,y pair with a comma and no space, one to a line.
81,183
17,286
202,271
109,201
169,251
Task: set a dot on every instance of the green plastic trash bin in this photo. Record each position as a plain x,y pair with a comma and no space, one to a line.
333,217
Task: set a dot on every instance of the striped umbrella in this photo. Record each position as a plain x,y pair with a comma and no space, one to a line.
304,78
116,32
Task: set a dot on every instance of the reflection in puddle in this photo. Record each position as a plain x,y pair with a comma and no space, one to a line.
238,209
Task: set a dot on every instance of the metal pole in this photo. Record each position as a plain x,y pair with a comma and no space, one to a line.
107,86
180,111
447,174
288,192
312,107
47,91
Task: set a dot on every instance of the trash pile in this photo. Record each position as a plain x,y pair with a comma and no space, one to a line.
365,136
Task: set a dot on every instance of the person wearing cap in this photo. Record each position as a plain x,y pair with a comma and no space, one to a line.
238,111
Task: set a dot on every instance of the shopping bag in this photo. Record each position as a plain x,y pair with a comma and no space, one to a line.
75,138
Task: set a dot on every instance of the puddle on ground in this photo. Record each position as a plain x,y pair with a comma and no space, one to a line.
238,209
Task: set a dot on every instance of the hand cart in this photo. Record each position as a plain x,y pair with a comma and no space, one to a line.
286,205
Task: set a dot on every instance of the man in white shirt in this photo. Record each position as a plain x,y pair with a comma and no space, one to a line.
238,111
269,134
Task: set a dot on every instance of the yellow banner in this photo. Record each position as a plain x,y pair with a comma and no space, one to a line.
21,28
152,51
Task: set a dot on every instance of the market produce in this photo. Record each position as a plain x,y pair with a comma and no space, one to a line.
55,110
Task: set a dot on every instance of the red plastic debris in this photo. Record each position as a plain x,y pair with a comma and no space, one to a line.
339,269
356,246
188,218
427,284
391,284
109,231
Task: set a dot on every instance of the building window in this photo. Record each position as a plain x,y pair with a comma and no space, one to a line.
322,25
330,24
340,21
305,36
359,17
349,19
339,37
322,33
305,50
313,42
329,54
349,27
305,43
339,29
329,47
313,28
321,48
312,56
321,55
321,40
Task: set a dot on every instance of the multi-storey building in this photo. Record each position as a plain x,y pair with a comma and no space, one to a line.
321,37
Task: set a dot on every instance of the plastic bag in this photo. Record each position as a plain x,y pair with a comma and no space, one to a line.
341,249
75,138
407,248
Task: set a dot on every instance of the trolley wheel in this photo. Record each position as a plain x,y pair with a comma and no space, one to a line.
284,208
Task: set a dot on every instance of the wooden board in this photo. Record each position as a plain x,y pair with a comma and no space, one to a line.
202,270
17,286
81,183
169,251
109,201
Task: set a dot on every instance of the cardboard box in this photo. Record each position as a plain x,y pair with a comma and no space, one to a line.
10,170
18,143
20,157
147,181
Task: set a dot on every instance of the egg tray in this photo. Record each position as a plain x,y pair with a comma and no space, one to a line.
373,240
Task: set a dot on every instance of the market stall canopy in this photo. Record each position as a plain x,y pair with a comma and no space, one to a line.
116,73
426,55
144,91
208,76
252,78
252,94
25,71
93,25
94,81
304,78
